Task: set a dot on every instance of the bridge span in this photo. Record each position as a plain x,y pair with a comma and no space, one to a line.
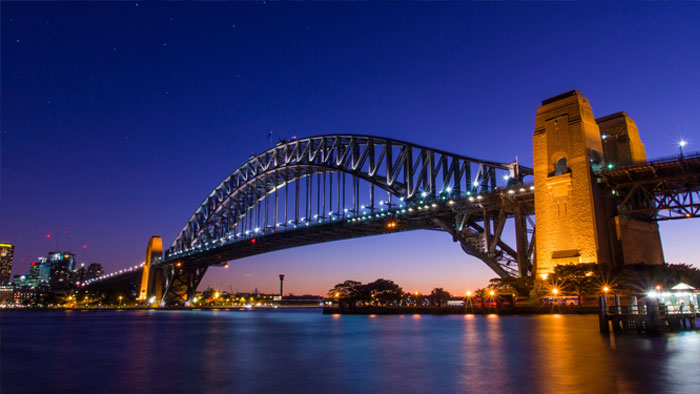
597,198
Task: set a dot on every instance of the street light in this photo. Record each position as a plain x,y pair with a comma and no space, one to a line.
555,291
120,301
681,144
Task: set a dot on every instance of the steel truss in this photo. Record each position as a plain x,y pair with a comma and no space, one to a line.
264,184
660,190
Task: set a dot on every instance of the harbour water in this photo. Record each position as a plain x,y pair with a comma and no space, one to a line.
303,351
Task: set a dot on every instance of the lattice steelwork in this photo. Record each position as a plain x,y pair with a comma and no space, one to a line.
334,187
663,189
332,177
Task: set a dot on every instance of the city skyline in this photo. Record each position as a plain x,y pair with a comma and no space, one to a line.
112,137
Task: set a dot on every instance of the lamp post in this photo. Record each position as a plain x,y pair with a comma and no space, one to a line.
281,285
120,301
681,145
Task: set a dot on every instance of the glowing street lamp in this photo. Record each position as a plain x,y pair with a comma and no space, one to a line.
120,301
681,144
555,291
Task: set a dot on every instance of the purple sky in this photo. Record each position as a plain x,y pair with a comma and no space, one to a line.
119,118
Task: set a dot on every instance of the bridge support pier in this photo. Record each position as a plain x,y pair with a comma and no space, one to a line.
149,282
181,283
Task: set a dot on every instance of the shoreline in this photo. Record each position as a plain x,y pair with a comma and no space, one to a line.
425,310
461,310
174,308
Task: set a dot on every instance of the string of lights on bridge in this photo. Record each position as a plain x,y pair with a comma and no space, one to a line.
424,202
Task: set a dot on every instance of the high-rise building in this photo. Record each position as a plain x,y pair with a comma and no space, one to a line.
62,270
7,252
44,270
34,273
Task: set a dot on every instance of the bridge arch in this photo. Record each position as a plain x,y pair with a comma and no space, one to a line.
248,200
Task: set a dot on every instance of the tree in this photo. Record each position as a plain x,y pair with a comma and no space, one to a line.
640,278
348,292
580,279
384,291
439,296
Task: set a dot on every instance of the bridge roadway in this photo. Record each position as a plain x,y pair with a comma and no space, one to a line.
662,189
460,217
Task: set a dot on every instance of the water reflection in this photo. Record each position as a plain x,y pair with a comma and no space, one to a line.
304,351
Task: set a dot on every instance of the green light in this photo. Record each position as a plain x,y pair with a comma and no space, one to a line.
610,166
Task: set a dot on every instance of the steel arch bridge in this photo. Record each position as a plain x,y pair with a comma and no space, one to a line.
333,187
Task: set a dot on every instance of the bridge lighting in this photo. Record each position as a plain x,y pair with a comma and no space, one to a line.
532,188
451,202
345,210
410,209
479,197
448,189
361,207
257,229
471,198
522,189
434,205
475,183
424,194
506,177
682,143
511,191
401,198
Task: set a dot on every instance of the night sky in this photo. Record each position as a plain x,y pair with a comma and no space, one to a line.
118,119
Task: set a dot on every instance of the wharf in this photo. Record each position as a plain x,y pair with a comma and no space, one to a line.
650,318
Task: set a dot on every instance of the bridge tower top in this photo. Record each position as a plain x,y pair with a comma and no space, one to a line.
567,145
621,143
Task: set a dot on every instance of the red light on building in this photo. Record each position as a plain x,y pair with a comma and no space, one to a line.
252,241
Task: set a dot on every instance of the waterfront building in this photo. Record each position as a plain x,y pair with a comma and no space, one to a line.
6,295
6,255
62,270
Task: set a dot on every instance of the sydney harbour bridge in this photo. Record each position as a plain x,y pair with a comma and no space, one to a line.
334,187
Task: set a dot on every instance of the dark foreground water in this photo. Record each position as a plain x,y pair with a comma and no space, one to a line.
306,352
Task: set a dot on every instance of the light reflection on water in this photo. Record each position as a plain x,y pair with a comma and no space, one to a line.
304,351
